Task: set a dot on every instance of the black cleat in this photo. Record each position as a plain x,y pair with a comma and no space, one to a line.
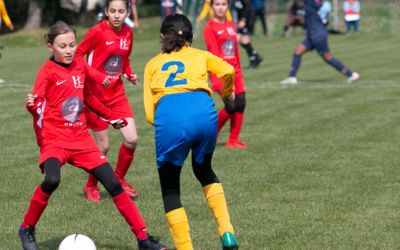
255,60
151,243
28,240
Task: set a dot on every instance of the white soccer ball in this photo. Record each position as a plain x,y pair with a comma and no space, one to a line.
77,242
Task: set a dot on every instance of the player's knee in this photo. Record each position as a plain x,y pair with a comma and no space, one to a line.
131,142
51,183
114,187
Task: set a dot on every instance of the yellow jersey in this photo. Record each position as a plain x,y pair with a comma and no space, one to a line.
4,15
183,71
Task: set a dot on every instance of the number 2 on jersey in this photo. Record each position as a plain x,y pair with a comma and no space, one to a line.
171,81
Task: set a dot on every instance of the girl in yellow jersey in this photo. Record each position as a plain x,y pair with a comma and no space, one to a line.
177,102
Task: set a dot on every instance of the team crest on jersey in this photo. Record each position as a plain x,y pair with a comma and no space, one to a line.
113,65
72,108
123,44
231,31
228,48
78,83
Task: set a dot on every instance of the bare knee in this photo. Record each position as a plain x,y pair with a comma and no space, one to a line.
131,142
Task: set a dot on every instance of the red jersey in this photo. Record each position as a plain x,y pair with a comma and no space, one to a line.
107,51
61,95
220,39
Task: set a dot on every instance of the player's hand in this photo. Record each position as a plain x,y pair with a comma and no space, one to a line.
230,100
106,82
118,123
30,100
133,78
241,24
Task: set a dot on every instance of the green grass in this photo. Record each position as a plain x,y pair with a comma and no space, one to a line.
321,172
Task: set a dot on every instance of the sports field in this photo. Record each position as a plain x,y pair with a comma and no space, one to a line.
322,170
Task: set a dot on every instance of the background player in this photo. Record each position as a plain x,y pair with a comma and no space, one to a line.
317,38
243,11
177,102
7,21
107,47
220,38
59,94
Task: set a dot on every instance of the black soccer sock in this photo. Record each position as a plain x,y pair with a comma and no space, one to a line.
249,49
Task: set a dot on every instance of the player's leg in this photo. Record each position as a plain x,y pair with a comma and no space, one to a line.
126,155
38,203
215,197
91,189
175,214
296,62
244,40
237,122
126,207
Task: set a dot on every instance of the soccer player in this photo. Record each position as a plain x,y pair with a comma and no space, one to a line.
317,38
107,47
7,21
58,97
177,101
206,10
243,11
220,38
295,16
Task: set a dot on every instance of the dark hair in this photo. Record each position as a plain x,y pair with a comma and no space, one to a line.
57,29
176,33
107,5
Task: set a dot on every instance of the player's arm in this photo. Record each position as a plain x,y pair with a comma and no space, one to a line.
127,70
6,18
35,99
148,100
210,40
87,44
135,14
101,110
97,76
224,71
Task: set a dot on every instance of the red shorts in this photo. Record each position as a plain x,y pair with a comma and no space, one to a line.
87,159
120,109
240,88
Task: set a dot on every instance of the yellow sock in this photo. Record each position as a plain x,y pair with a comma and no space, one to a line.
179,228
214,194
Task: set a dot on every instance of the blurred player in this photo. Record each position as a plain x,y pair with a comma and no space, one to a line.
295,16
177,102
7,21
107,47
206,10
317,38
57,98
220,38
243,11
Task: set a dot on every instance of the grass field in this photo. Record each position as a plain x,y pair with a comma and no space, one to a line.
321,171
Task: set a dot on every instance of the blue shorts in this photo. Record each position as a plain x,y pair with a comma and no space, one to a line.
317,42
184,122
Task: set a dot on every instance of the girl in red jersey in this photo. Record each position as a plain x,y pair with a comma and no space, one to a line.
58,97
220,38
107,47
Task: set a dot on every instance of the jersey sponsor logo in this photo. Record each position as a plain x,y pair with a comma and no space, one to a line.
109,42
113,65
72,108
78,84
219,32
123,44
228,48
58,83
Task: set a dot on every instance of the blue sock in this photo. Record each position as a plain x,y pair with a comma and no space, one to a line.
338,65
296,61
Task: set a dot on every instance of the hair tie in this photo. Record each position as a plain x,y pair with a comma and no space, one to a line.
180,32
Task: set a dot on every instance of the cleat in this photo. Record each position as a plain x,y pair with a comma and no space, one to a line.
28,239
131,191
92,193
289,81
229,242
235,144
354,77
151,243
255,60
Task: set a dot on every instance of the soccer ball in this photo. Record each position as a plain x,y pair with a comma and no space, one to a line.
77,242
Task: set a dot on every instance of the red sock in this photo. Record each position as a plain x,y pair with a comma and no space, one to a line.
91,181
131,214
223,117
236,126
125,158
36,207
